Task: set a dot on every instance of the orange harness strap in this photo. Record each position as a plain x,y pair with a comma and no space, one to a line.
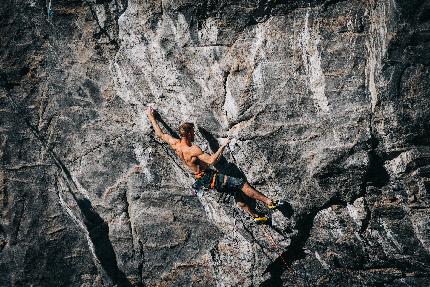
213,180
199,175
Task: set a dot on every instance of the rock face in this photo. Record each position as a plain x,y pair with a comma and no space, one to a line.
328,103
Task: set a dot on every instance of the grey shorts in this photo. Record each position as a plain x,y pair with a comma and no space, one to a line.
224,183
228,183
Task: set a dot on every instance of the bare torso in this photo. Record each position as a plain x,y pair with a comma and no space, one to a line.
188,154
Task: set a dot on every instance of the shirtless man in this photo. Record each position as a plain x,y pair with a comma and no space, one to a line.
199,162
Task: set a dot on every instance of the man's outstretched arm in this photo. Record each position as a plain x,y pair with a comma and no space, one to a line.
214,158
163,136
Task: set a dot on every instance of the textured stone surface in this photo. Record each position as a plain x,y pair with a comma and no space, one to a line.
328,104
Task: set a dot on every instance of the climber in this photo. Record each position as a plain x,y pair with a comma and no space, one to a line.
199,162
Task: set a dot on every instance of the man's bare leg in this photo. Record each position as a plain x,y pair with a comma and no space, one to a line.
253,193
247,209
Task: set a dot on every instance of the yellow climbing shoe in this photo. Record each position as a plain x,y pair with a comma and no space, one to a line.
261,220
273,205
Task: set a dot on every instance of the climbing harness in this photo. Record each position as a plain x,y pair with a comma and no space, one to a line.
213,180
200,174
205,179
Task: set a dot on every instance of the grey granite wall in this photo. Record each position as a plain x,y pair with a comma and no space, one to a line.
327,103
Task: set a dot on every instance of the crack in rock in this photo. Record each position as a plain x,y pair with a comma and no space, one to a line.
94,227
296,249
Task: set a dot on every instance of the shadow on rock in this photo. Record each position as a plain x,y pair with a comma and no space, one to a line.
296,250
165,125
286,209
227,168
98,230
223,165
233,170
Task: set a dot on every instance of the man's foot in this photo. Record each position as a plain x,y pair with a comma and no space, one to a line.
261,220
274,204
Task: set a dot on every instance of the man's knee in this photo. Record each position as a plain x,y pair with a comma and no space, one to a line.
241,204
245,184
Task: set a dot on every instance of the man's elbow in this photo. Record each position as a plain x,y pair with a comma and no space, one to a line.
160,135
212,161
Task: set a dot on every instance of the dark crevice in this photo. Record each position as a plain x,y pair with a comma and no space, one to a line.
376,174
98,231
224,84
97,228
268,8
141,261
296,249
366,221
102,31
126,210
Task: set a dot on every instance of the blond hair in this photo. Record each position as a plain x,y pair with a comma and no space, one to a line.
185,129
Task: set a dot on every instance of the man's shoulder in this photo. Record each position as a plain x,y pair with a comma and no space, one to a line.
196,149
174,141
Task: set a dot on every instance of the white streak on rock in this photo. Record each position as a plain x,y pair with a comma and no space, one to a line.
122,86
230,105
357,211
390,236
323,263
121,83
376,45
309,40
101,14
144,156
257,49
257,52
257,75
209,33
183,31
81,225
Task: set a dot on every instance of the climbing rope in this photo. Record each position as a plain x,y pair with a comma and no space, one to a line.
275,245
266,233
270,238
